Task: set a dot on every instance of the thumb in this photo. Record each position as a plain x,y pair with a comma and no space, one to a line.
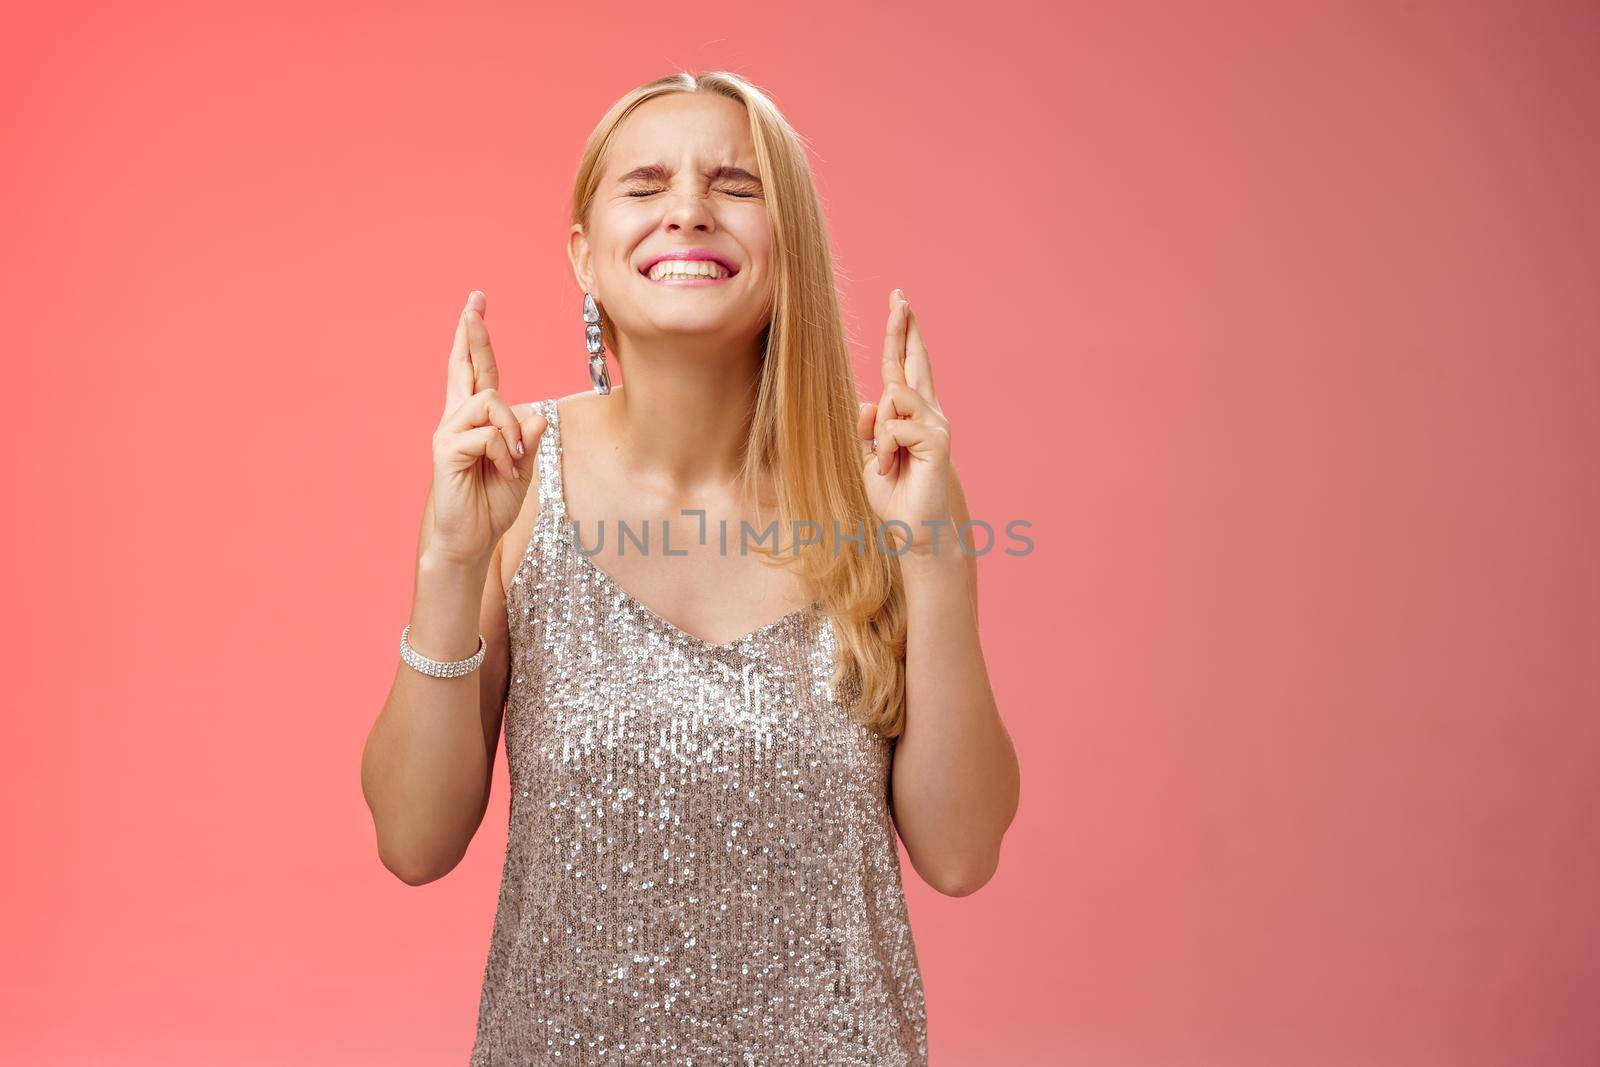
533,426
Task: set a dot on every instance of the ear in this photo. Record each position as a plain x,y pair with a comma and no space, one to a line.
578,254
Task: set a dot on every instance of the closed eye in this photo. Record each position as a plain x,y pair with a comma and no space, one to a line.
730,192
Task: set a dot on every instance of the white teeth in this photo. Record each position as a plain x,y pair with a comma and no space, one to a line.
687,268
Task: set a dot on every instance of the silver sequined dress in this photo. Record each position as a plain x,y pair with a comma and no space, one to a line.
701,866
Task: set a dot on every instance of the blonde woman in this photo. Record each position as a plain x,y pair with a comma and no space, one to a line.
722,615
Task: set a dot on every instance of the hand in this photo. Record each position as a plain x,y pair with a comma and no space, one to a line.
483,451
905,439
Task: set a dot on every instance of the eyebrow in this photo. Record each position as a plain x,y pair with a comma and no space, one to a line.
660,172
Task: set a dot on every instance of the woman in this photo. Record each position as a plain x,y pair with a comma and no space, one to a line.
700,730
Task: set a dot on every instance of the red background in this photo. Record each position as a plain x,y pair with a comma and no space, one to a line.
1277,321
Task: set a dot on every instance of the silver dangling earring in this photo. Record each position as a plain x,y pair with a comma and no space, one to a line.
591,338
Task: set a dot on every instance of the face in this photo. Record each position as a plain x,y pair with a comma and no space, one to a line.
681,178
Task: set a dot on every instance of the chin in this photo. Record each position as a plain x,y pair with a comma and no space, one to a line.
689,323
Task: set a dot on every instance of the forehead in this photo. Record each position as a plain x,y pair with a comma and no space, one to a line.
694,129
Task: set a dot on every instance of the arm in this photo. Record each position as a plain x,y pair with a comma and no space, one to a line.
955,781
959,517
428,763
954,784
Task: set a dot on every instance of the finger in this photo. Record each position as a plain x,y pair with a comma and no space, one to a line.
897,437
486,373
894,340
899,401
533,426
881,443
489,407
914,438
886,450
905,401
866,418
458,374
919,371
467,446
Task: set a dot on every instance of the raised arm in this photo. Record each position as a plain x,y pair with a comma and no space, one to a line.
955,782
428,761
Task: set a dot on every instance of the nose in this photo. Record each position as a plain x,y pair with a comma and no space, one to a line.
688,211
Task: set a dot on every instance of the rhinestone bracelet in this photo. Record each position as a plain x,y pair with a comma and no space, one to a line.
436,668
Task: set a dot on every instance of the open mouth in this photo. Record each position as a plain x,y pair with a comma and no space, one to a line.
693,269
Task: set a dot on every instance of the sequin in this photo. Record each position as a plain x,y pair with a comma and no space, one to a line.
701,865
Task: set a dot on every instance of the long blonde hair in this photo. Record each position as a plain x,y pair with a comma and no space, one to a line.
802,427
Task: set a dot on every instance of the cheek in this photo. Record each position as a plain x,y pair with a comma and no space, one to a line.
757,243
615,241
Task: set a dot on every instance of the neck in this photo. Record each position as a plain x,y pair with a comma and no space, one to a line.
684,411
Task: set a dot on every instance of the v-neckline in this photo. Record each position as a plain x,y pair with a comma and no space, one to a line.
601,575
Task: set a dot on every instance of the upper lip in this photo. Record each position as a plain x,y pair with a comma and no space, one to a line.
691,253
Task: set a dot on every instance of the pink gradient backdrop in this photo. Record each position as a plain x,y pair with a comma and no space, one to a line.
1279,324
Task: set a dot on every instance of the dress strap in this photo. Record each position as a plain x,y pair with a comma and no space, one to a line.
551,497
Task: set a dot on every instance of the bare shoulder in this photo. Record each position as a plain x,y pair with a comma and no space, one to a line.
579,408
582,408
576,408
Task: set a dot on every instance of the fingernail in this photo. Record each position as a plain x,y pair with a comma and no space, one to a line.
521,449
475,300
